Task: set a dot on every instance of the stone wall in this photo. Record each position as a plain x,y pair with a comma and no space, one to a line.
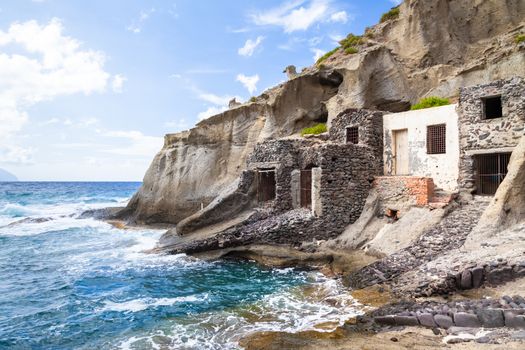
343,174
478,135
370,125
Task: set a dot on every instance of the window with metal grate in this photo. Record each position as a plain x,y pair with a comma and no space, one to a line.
437,139
352,135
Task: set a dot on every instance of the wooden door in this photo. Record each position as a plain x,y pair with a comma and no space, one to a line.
306,188
266,185
401,152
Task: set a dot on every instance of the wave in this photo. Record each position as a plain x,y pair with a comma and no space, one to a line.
17,211
138,305
322,306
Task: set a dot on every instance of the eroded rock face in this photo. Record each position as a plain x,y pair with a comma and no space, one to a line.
195,166
507,208
433,48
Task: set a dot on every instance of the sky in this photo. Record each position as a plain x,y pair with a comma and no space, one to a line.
88,89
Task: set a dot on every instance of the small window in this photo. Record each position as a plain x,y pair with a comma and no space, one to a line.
437,139
492,107
352,135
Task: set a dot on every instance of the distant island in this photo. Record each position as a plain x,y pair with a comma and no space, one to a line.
7,176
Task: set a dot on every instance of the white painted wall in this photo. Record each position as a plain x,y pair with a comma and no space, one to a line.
443,168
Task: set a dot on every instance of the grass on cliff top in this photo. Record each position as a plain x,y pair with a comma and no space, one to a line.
326,56
519,38
348,45
315,130
392,14
429,102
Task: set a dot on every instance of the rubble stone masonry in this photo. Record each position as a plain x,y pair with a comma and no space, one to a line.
478,135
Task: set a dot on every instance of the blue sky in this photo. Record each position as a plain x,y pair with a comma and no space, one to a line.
89,88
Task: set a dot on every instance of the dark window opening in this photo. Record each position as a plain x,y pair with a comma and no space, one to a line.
352,135
491,170
266,185
492,107
437,139
306,188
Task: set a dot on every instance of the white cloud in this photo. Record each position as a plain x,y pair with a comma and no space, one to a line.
42,64
396,2
50,121
16,155
249,82
211,111
215,99
299,15
118,83
318,53
136,25
340,16
249,47
336,38
136,143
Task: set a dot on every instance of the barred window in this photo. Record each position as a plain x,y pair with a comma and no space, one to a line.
352,135
437,139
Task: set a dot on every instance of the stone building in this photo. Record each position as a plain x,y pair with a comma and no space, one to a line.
331,177
302,189
460,147
491,123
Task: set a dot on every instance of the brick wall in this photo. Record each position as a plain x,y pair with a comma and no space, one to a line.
410,189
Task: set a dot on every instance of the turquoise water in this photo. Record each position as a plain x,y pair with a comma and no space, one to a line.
68,283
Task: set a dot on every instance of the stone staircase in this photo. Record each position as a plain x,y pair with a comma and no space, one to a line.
441,198
449,234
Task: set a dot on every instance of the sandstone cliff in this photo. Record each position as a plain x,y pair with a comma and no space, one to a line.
432,48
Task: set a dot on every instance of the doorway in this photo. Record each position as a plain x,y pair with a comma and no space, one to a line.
306,188
265,185
491,170
400,138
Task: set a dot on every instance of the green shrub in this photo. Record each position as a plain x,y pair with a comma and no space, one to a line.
326,56
519,38
253,99
392,14
351,50
351,40
429,102
314,130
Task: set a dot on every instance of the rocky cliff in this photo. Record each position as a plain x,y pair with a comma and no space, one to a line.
432,48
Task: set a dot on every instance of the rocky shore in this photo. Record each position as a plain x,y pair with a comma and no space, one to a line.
432,268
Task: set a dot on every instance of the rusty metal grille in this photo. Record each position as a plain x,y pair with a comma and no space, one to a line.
265,185
306,188
491,170
352,135
437,139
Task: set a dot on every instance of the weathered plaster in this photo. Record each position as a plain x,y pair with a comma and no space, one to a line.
442,168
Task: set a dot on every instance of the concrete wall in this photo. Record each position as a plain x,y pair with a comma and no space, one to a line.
442,168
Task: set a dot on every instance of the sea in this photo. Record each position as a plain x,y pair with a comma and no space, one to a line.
74,283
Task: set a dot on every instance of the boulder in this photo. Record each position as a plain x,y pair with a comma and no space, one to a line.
491,318
426,320
463,319
443,321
